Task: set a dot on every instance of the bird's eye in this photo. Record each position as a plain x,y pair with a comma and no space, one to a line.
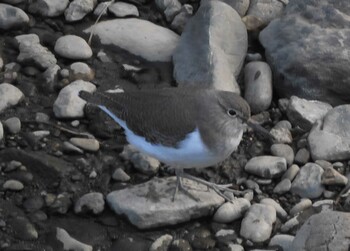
231,113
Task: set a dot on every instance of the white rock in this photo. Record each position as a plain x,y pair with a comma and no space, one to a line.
256,226
92,201
9,96
258,86
150,204
102,8
78,9
162,243
266,166
68,104
50,77
139,37
80,70
290,224
307,184
279,209
121,9
70,243
12,17
282,240
48,8
73,47
300,206
1,63
304,113
235,247
231,211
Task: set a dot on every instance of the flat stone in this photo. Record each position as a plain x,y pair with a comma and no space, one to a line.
231,211
283,150
93,202
121,9
73,47
304,113
256,226
221,62
48,8
78,9
150,204
291,172
331,176
12,17
68,104
328,230
307,184
91,145
330,140
266,166
139,37
258,86
69,243
32,52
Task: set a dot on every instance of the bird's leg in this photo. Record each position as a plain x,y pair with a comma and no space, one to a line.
179,185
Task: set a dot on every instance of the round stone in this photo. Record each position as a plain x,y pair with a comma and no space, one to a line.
73,47
13,185
13,125
283,150
231,211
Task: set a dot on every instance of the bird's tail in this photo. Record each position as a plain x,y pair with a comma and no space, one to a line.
96,98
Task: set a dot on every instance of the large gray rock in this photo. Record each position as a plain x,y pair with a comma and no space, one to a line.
150,204
48,8
212,48
328,230
297,46
330,140
139,37
12,17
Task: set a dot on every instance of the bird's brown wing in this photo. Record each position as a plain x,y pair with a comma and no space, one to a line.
161,117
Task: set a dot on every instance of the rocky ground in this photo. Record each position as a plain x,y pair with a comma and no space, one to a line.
69,181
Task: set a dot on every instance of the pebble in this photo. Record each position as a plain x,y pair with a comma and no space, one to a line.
302,156
78,9
169,7
42,117
12,166
75,123
291,172
93,202
282,240
120,175
12,17
13,125
331,176
235,247
307,184
180,20
290,224
265,11
73,47
41,134
304,113
258,86
283,186
70,148
48,8
33,53
300,206
324,205
180,245
86,144
9,96
101,9
231,211
253,57
69,243
1,131
266,166
13,185
279,209
283,150
121,9
80,70
241,6
256,226
68,104
281,135
162,243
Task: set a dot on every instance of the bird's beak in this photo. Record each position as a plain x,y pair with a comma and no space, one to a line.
259,129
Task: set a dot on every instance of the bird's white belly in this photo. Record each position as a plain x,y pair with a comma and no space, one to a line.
191,152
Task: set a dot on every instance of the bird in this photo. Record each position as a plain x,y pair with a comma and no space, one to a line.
181,127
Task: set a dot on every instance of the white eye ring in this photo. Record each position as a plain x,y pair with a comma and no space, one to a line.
231,112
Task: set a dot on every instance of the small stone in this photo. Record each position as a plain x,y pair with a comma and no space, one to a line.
75,123
235,247
162,243
33,203
91,202
91,145
283,186
281,135
282,240
331,176
180,20
78,9
12,17
302,156
121,9
291,172
41,134
120,175
48,8
73,47
1,131
266,166
93,175
301,206
101,9
290,224
180,245
13,185
42,117
231,211
257,223
13,125
9,96
169,7
283,150
80,70
324,205
279,209
12,165
23,229
70,148
70,243
258,86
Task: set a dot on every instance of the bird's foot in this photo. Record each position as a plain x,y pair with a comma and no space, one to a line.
180,186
